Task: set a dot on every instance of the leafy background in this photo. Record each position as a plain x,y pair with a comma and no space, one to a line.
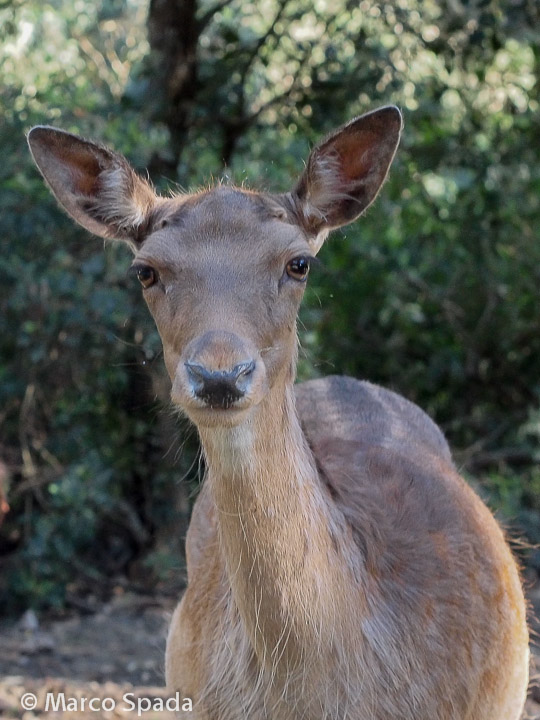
434,293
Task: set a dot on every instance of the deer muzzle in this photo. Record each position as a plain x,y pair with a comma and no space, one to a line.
219,372
220,388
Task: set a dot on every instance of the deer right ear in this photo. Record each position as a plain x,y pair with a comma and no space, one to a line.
345,172
97,187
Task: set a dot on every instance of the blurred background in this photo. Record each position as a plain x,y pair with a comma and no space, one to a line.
435,293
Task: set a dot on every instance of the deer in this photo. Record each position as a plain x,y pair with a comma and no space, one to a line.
338,565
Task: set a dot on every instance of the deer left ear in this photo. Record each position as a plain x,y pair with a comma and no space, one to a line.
95,185
345,172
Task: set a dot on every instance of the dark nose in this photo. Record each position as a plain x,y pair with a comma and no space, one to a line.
217,388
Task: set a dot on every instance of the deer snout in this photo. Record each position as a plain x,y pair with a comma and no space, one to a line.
219,371
220,388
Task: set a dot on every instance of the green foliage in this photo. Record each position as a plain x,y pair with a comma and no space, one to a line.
79,419
433,293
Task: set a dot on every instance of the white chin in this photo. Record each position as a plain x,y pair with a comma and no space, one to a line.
218,417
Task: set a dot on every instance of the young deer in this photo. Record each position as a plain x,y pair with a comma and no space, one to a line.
338,566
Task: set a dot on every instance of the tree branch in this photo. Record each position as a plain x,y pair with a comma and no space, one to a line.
203,21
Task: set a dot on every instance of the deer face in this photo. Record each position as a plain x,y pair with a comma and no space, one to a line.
222,271
223,276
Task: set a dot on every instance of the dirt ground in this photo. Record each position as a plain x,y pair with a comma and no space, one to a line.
116,651
114,655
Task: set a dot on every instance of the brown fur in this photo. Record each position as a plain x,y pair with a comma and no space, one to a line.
338,566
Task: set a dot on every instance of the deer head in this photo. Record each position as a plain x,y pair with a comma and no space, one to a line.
223,271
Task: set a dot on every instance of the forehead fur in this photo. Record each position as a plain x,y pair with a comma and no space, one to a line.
221,206
225,217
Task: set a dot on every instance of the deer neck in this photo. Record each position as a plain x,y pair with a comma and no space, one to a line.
255,459
276,527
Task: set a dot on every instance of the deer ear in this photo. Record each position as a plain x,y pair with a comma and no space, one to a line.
346,170
96,186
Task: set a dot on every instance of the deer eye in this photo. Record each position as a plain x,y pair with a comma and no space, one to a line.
146,275
298,268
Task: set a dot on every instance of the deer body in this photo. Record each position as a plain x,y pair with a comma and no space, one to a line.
373,624
338,566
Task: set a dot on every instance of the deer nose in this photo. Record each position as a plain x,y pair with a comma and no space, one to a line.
218,388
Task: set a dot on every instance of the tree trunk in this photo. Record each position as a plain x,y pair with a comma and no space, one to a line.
173,34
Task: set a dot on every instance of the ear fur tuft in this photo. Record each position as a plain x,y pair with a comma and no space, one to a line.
346,170
95,185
